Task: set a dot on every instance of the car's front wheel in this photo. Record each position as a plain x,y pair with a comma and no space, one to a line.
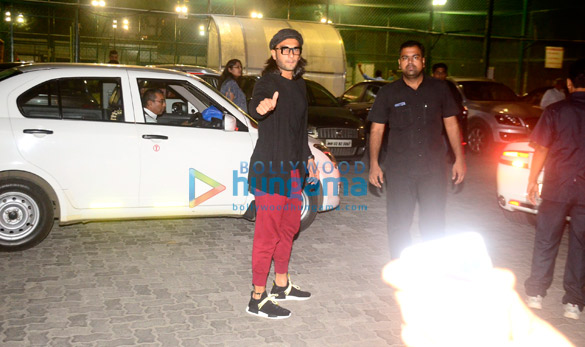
479,139
26,215
310,206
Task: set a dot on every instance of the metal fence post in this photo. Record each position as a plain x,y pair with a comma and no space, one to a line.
11,36
488,37
520,71
76,33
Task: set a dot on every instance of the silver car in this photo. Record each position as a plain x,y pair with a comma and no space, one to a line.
495,114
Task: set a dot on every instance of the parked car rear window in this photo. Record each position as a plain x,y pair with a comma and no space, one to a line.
353,93
98,99
371,93
8,73
487,91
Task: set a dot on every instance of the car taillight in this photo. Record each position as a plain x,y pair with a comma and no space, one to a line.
517,159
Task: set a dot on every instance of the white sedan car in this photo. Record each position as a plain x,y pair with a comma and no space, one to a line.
512,181
75,147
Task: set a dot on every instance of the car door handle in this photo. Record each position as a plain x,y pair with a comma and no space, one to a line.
155,137
37,131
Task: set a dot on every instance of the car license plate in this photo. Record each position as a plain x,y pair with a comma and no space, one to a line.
338,143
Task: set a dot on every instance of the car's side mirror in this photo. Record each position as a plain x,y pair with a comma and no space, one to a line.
229,122
342,101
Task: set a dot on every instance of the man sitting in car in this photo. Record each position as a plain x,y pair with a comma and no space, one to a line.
154,103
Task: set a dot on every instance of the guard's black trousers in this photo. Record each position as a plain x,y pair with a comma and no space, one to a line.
550,224
404,191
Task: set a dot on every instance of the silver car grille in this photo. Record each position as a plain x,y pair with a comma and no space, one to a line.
343,151
337,133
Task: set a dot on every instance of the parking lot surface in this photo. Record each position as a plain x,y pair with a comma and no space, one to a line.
187,282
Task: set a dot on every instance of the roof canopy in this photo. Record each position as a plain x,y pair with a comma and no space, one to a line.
247,39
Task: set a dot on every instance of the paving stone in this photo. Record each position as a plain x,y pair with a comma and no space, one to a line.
168,339
60,341
79,320
151,323
90,337
144,335
116,342
37,339
16,333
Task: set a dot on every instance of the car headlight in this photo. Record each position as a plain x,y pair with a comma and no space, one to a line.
507,119
327,152
313,132
361,131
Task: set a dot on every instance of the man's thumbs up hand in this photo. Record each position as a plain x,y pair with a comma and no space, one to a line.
267,105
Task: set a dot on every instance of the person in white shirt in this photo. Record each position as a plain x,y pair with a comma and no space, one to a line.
154,103
377,74
557,93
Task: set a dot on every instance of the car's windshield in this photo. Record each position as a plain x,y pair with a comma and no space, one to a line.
487,91
320,96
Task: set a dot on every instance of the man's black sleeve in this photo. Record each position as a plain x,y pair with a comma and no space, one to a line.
263,89
450,107
543,133
379,112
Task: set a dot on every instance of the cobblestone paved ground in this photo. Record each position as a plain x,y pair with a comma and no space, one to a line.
187,282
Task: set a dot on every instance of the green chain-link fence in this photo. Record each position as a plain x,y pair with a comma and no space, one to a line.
372,32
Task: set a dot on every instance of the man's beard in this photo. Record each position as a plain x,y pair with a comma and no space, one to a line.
283,67
413,73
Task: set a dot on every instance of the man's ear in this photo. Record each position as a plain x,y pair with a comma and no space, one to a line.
424,62
570,86
273,52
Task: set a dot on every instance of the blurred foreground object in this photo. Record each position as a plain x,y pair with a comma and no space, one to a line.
450,295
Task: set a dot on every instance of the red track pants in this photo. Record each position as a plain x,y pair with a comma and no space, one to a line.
278,219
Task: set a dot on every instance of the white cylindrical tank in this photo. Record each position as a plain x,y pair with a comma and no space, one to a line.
247,39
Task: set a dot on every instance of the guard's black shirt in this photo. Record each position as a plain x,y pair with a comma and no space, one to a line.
561,129
415,119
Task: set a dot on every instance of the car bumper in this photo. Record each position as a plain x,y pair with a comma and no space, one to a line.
512,182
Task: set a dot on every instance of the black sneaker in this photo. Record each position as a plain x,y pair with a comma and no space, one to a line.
290,292
266,307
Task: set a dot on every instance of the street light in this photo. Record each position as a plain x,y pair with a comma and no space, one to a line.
98,3
182,10
20,18
439,2
255,14
201,30
115,24
7,17
325,20
126,24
